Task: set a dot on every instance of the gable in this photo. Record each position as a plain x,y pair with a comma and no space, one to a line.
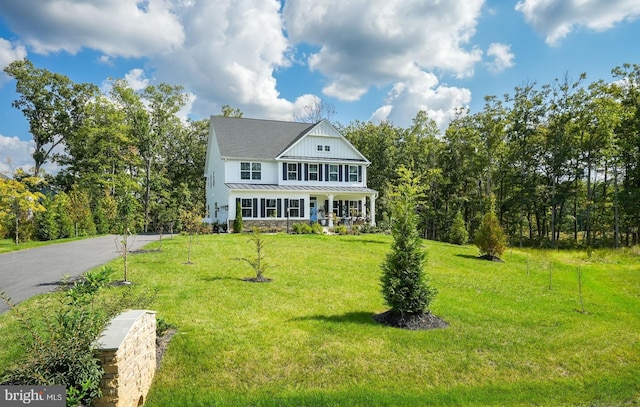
323,142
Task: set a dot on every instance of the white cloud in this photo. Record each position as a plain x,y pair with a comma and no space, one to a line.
230,55
555,19
502,57
136,79
422,92
8,53
129,28
14,154
366,43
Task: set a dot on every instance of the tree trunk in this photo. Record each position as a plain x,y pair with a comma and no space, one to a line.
616,217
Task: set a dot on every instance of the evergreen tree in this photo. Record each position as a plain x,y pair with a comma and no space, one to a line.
238,224
404,283
458,233
490,238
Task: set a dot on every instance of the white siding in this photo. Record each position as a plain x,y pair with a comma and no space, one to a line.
269,172
338,148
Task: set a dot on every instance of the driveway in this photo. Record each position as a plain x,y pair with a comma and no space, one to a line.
25,273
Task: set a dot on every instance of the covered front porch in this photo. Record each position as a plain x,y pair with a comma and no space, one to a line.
342,209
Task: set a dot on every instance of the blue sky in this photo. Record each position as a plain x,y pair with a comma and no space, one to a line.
370,59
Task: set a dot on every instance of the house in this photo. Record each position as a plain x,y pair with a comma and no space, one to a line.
281,172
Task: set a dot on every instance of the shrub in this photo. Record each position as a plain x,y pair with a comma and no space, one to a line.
301,228
340,230
490,237
317,229
60,344
238,224
458,233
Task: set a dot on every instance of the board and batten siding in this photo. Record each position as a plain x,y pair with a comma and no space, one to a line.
309,148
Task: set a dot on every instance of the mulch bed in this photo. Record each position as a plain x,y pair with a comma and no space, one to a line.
257,280
491,258
417,322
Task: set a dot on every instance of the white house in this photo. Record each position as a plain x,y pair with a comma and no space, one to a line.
284,171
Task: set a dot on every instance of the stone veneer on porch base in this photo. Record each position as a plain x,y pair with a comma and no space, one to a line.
127,352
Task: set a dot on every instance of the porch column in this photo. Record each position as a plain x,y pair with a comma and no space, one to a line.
372,210
330,211
364,207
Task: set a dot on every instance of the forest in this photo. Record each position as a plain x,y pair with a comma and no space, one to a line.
559,163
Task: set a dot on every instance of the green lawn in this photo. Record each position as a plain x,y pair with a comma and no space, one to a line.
308,338
8,245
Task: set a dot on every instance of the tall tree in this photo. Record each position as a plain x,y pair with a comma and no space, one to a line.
228,111
53,105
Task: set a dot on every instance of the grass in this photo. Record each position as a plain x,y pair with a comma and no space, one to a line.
308,338
8,245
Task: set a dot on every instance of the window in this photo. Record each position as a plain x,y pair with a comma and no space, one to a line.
247,208
333,172
292,171
354,208
251,171
313,172
319,147
271,206
294,208
327,148
353,173
256,171
245,170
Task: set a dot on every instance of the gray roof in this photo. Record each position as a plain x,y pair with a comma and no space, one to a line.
303,188
255,138
2,176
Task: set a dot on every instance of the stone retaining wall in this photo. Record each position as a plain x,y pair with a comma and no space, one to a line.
127,352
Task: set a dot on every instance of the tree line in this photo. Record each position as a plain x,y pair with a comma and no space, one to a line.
558,163
126,159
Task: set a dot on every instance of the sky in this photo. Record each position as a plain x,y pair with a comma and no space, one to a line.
370,59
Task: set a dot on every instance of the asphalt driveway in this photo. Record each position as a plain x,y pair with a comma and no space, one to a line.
25,273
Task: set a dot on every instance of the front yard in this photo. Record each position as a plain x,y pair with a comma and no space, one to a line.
515,335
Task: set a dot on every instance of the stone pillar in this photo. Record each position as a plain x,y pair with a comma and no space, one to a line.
127,353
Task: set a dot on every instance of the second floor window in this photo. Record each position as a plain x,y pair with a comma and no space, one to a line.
313,172
333,172
251,171
292,171
353,173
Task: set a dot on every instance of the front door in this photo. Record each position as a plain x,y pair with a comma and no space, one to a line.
313,209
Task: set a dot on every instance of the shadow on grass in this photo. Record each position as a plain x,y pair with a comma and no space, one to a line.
365,318
220,278
469,256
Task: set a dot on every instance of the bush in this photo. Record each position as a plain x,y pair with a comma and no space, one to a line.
60,344
340,230
301,228
317,229
490,237
238,224
458,233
